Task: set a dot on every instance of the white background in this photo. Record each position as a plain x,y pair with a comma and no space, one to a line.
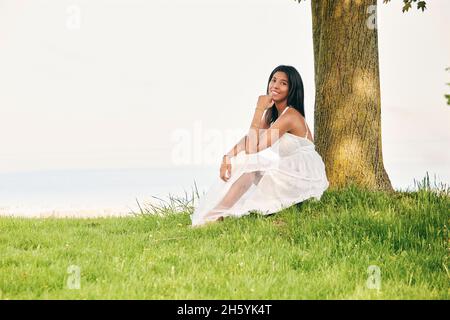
115,88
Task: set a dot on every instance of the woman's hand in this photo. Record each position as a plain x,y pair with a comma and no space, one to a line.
225,167
264,102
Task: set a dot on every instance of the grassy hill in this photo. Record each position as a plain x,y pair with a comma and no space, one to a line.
325,249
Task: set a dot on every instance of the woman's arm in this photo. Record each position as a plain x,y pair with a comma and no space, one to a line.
255,131
264,102
261,124
257,118
237,148
268,137
240,146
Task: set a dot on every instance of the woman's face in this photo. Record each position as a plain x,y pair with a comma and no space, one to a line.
279,86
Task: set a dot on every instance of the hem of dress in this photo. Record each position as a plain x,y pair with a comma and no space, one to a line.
317,194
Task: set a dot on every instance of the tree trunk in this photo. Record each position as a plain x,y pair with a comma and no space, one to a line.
347,113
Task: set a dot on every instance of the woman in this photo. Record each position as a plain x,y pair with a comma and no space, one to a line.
275,165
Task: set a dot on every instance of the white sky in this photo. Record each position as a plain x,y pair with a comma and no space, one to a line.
119,86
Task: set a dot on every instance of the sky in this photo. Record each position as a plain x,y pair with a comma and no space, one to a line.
139,84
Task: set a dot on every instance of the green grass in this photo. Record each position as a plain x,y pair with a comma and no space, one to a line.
320,250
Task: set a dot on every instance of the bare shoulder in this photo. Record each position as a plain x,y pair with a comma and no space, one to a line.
298,124
294,113
294,116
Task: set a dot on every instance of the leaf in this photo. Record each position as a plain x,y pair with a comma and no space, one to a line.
406,7
408,3
421,5
448,98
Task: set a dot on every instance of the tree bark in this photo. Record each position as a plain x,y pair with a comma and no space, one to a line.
347,113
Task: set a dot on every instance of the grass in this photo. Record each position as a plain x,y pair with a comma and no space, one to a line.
319,250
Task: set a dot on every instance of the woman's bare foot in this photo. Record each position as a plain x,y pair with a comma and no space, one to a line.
215,221
221,218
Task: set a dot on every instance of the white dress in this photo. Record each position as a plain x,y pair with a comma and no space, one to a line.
288,172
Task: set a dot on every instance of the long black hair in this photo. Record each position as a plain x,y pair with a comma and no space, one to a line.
295,96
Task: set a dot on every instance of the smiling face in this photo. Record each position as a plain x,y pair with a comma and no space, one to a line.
279,86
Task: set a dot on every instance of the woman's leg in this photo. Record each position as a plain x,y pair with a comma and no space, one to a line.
258,176
239,187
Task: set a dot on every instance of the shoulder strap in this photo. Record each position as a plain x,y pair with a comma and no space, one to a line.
306,135
284,111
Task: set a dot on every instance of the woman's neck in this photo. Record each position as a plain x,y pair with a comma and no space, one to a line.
281,106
